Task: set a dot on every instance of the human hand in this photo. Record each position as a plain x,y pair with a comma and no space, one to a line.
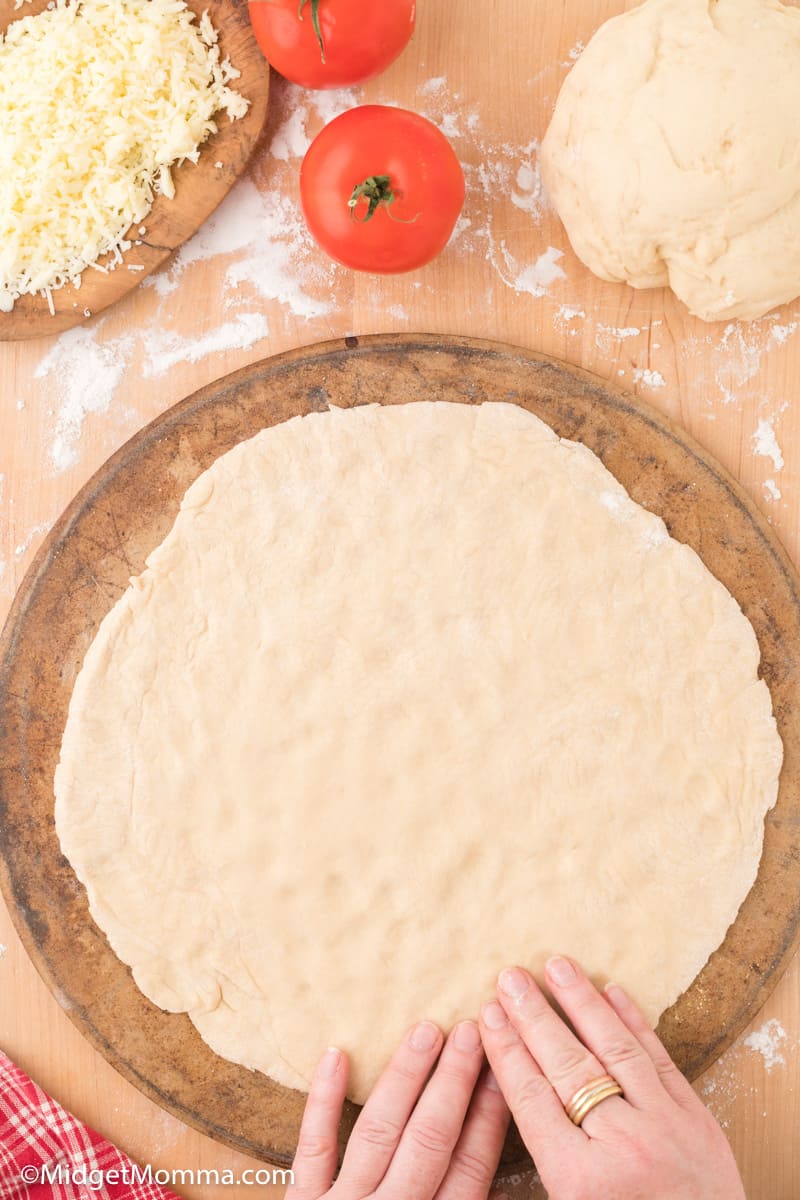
415,1140
658,1143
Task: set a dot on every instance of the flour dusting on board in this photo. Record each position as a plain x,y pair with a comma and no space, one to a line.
649,378
535,279
85,374
723,1084
166,349
291,138
765,443
265,237
728,363
24,546
619,333
767,1042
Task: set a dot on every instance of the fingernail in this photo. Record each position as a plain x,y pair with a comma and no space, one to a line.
514,983
423,1036
491,1081
329,1063
561,971
615,994
466,1036
494,1016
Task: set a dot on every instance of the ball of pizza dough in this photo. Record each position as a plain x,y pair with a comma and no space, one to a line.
673,156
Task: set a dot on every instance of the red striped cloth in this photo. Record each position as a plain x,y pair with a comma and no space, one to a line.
41,1141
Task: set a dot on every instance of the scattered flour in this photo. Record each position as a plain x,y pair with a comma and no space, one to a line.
449,124
436,85
536,278
723,1086
264,235
274,265
84,375
563,319
737,356
765,442
462,225
767,1042
230,230
607,336
25,545
165,349
649,378
291,138
528,192
780,334
771,490
737,359
732,360
619,332
2,950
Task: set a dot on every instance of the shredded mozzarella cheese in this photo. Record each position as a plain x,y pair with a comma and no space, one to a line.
99,99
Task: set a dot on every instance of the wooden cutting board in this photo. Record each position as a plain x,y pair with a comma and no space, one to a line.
199,187
127,509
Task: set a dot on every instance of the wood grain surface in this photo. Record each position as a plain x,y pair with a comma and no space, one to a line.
199,187
124,512
489,77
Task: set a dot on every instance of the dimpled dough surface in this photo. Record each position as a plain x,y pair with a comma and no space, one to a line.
673,156
409,693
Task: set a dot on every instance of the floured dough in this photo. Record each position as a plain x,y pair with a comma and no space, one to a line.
408,694
673,157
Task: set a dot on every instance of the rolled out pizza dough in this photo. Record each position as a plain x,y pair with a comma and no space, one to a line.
673,157
407,694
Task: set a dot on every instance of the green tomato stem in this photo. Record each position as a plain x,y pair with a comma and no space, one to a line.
314,22
377,191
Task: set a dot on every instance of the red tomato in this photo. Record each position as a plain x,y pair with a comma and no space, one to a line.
381,189
332,43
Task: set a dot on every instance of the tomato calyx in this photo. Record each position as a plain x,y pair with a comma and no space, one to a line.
314,22
376,190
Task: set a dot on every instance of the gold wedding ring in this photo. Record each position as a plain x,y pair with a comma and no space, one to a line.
589,1096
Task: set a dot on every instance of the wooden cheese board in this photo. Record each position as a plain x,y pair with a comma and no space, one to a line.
199,188
127,509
